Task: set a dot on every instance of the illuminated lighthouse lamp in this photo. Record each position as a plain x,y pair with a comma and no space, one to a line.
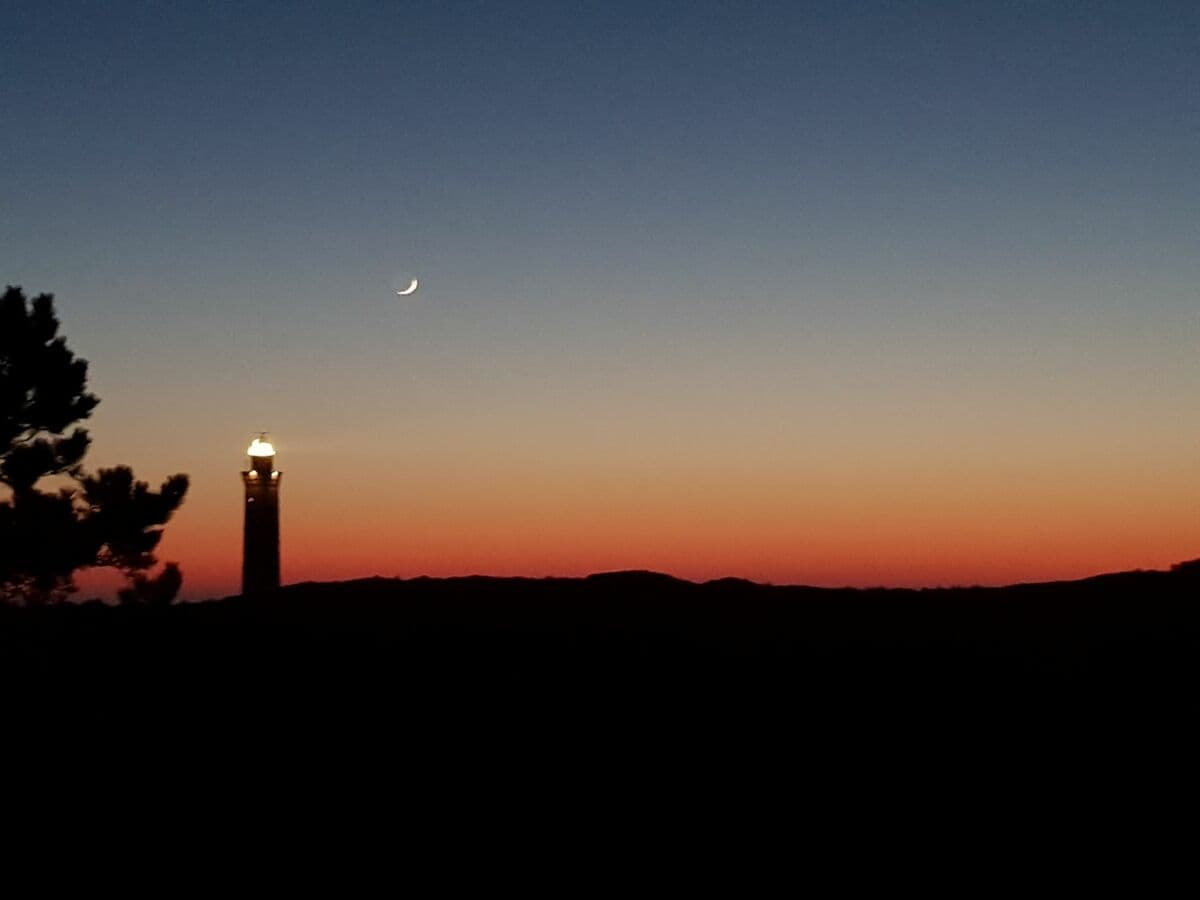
261,452
260,447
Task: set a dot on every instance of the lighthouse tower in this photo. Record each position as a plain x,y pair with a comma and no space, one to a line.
260,538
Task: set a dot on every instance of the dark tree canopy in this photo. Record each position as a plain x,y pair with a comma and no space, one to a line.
41,394
105,519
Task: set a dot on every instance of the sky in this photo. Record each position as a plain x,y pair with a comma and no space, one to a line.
830,293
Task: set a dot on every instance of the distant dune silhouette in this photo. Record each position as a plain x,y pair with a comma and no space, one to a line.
636,652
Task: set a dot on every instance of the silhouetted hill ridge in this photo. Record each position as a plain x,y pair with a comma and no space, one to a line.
629,650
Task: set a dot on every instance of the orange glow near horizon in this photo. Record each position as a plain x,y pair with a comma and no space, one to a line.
831,522
742,459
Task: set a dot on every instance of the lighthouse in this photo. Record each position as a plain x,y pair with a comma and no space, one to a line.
260,537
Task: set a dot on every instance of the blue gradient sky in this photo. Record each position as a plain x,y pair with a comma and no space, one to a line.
777,245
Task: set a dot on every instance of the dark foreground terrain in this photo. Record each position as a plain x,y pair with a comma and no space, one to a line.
628,698
620,702
623,657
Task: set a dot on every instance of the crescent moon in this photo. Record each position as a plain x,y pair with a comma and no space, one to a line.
408,290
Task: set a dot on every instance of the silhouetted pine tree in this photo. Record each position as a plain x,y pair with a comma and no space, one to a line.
105,519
